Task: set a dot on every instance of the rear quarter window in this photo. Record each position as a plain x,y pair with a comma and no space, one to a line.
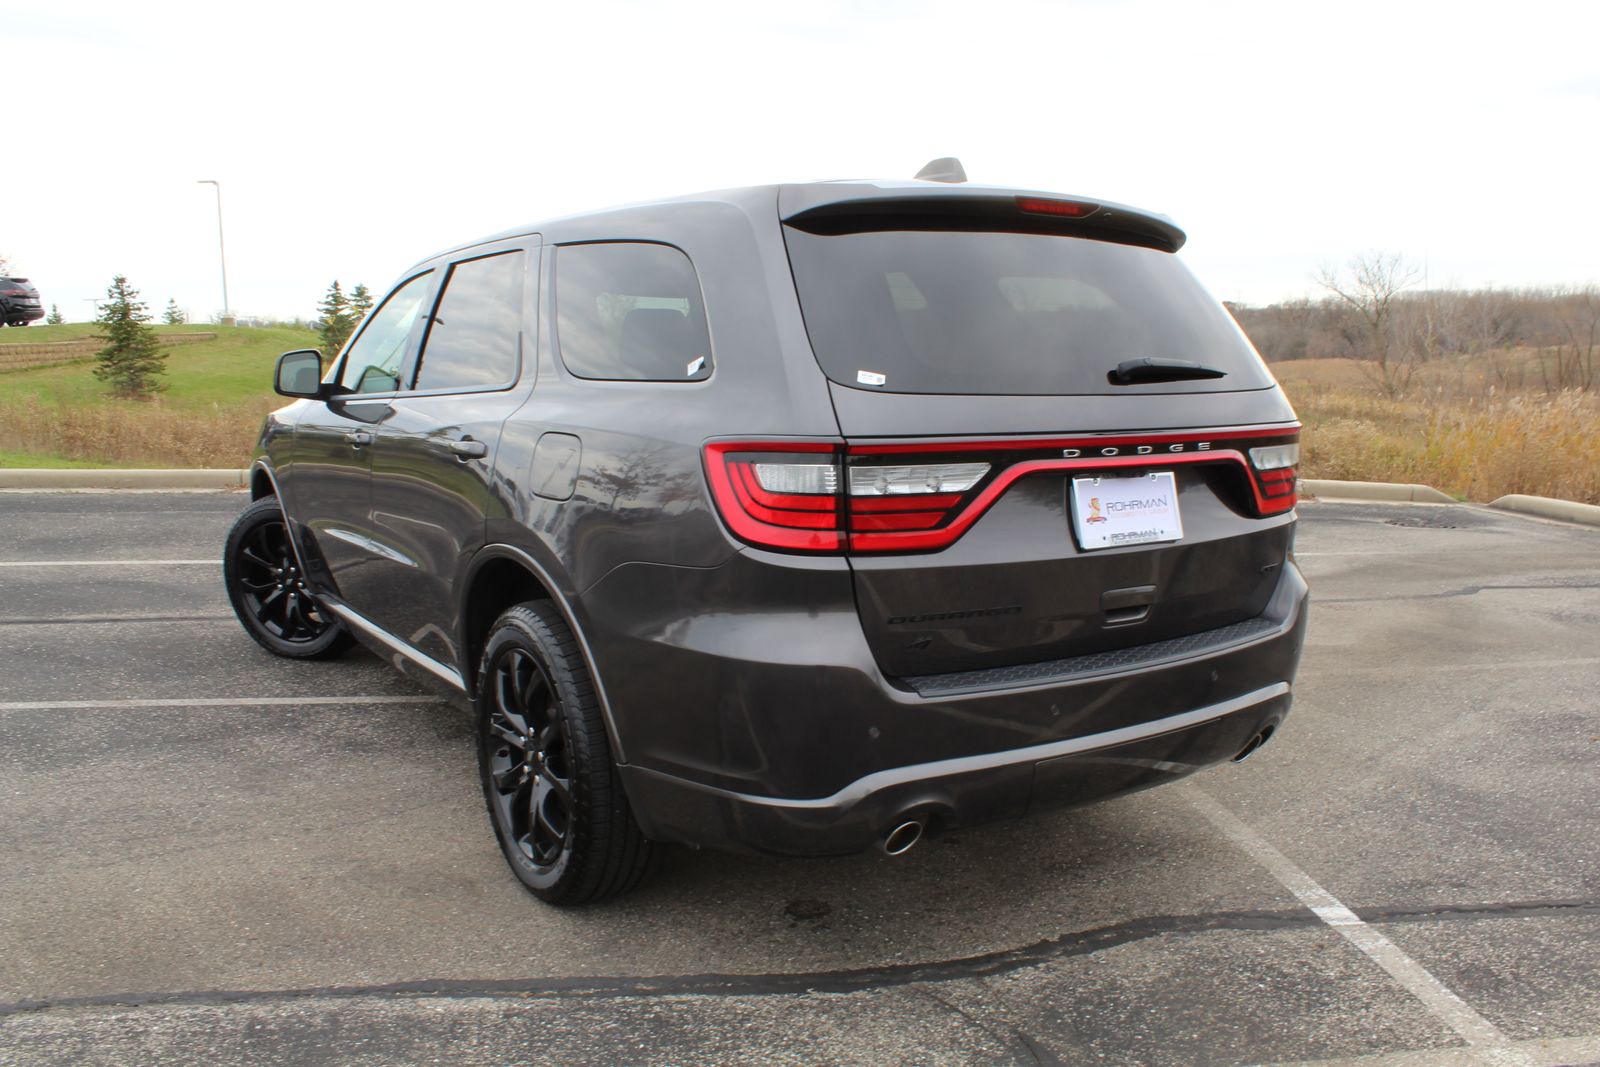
630,311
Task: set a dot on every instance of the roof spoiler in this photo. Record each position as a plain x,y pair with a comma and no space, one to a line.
842,210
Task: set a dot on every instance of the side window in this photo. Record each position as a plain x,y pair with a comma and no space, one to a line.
630,311
372,362
472,340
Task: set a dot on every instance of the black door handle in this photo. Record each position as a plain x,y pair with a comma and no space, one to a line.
467,448
358,438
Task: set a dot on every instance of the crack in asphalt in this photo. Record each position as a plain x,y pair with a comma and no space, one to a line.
1466,590
1078,943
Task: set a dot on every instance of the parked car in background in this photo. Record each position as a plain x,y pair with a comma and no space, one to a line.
796,518
19,302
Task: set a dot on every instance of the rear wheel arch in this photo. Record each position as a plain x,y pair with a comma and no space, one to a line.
498,581
503,576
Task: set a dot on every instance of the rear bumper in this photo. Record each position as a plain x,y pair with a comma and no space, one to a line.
774,731
961,792
22,314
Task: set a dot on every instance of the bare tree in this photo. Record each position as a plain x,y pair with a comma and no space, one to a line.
1369,287
1570,362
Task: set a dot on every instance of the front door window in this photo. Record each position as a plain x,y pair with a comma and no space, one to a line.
372,361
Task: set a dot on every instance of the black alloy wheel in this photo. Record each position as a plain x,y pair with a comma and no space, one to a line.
530,766
550,784
268,590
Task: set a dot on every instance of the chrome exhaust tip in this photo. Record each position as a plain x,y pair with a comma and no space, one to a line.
1253,745
898,842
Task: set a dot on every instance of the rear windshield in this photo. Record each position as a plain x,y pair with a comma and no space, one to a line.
934,311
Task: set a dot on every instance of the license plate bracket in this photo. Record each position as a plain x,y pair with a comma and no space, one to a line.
1115,512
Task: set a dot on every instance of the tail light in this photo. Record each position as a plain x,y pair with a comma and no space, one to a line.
1274,470
781,495
911,497
829,497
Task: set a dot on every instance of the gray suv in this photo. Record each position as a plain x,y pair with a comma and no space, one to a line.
795,518
19,302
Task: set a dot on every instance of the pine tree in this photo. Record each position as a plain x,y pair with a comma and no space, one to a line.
360,303
132,357
337,319
174,316
54,318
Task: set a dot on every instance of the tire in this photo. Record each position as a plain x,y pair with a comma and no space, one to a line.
549,782
268,592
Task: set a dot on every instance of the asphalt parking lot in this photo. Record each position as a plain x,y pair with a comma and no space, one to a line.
209,854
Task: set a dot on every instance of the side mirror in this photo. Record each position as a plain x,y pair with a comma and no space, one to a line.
299,374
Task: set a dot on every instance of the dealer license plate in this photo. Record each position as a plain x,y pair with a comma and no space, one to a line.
1112,512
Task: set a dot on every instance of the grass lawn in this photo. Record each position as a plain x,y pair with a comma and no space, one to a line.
34,460
208,416
235,367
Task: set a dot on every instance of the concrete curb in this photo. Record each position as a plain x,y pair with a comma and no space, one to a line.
1549,508
30,478
1394,492
1317,488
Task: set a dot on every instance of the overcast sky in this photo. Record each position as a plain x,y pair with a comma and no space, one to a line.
353,139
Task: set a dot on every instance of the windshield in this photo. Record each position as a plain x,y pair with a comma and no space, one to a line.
937,311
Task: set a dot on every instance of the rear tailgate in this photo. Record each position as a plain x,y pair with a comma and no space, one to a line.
973,348
1002,574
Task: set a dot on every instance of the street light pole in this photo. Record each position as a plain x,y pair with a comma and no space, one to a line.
222,250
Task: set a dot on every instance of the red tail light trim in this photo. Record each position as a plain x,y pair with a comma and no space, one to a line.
908,502
806,523
781,501
928,522
1021,444
948,535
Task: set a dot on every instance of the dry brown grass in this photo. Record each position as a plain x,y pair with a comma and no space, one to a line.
133,434
1457,430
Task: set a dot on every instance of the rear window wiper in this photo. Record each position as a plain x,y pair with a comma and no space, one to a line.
1151,369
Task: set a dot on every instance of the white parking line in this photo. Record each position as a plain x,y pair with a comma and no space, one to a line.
210,702
1537,1052
108,562
1485,1038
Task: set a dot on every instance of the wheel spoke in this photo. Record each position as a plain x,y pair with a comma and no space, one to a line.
251,556
553,825
506,699
505,732
265,608
511,778
293,623
559,786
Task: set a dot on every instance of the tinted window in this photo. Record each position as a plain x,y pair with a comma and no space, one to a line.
630,311
372,362
473,338
1006,313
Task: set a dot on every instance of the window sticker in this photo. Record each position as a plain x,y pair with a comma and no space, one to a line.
870,377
